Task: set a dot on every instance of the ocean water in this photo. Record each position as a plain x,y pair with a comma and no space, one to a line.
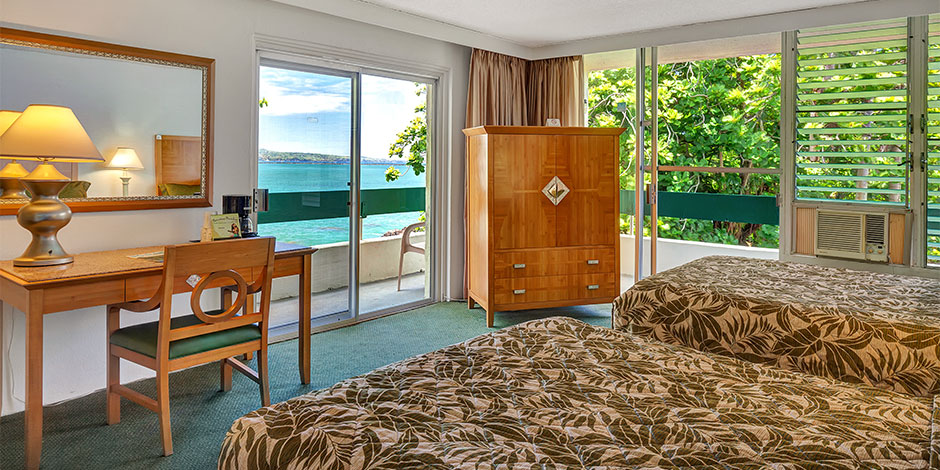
294,177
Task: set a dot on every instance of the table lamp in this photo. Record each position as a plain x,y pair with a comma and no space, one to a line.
10,186
126,159
46,133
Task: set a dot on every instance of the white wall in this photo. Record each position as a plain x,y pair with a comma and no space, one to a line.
672,253
74,349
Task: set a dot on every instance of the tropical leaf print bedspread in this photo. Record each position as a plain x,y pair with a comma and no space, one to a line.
561,394
858,327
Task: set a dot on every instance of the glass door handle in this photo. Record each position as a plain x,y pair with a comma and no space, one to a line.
518,291
519,266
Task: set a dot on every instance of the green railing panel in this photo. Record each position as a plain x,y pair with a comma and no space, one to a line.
290,207
390,201
313,205
708,206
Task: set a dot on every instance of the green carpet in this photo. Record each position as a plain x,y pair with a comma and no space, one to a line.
76,436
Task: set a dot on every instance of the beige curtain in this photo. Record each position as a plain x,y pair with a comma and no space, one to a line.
556,90
509,91
497,94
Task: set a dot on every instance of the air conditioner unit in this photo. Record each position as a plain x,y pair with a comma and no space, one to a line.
853,235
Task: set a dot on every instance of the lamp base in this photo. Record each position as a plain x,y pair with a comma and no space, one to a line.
12,189
44,216
125,181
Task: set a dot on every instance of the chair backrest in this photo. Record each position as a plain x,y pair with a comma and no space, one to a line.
406,244
247,265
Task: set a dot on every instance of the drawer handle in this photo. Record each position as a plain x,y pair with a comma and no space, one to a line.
594,261
593,287
518,266
518,291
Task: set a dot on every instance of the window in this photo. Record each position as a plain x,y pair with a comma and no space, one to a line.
717,135
866,119
932,125
851,113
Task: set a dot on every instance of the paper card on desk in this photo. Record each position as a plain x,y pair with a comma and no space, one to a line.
156,256
225,226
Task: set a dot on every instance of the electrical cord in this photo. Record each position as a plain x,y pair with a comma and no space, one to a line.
7,358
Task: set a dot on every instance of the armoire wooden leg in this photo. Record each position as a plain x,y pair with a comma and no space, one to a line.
489,318
470,303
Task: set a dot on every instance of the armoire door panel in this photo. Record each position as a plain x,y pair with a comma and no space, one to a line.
588,166
522,216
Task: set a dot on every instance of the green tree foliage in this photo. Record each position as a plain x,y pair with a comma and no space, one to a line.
721,112
412,141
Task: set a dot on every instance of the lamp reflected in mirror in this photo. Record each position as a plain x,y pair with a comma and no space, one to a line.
12,172
46,133
125,158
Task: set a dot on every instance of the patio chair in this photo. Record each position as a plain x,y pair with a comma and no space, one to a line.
407,246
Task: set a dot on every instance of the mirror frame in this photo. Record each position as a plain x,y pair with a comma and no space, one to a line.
17,37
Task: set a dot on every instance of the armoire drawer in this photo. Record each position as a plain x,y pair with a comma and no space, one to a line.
555,288
554,262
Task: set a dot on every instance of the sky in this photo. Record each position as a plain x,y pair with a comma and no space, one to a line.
309,112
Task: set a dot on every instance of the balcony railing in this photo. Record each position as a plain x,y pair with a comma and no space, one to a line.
296,206
314,205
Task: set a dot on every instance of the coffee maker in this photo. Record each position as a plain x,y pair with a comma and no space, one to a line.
243,205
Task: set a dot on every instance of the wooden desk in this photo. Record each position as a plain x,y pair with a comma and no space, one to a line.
107,277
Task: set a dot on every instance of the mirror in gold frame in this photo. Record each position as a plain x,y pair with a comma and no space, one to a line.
157,103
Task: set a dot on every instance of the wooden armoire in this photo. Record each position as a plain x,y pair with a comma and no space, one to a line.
543,217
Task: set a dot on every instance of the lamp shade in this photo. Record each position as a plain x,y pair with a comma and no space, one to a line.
48,132
125,158
6,119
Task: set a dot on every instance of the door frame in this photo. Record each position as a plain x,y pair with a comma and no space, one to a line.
319,58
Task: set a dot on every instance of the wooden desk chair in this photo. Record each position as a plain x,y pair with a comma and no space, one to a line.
407,246
169,344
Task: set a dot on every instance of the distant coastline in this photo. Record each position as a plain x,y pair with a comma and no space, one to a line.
271,156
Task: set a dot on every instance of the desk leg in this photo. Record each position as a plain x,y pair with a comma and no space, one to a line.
34,380
303,327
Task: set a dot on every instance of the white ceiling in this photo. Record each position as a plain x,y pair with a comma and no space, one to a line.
535,29
539,23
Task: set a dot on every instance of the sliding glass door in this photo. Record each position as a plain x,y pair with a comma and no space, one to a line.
394,255
343,152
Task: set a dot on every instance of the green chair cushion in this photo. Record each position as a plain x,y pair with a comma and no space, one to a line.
142,338
75,190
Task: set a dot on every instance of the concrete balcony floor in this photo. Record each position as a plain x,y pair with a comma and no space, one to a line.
373,296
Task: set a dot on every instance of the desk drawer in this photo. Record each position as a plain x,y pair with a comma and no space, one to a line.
285,267
555,288
554,262
92,294
141,287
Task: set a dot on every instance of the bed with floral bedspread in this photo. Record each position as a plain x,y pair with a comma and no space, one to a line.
858,327
559,393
